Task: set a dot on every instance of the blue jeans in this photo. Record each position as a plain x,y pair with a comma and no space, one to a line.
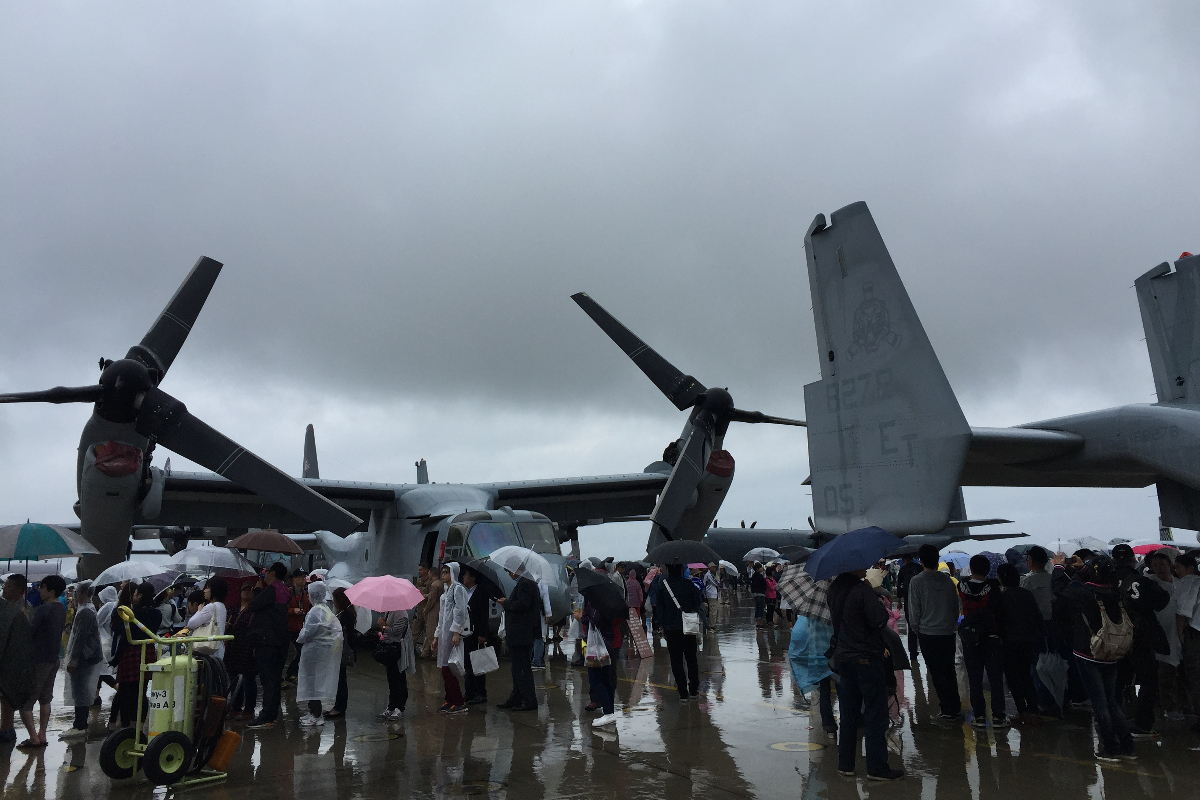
828,722
1100,683
760,606
862,694
539,653
604,686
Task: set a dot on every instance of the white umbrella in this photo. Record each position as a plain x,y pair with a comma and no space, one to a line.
760,554
730,568
522,560
136,571
211,560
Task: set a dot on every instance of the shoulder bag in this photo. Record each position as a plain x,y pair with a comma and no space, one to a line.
691,619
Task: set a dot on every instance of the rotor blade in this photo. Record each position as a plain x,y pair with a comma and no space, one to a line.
682,390
738,415
161,343
59,394
168,419
677,495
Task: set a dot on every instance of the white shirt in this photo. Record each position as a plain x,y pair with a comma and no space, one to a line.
1187,590
206,614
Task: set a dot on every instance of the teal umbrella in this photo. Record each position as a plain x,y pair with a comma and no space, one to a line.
33,541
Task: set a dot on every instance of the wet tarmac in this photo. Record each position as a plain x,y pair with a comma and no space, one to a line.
750,736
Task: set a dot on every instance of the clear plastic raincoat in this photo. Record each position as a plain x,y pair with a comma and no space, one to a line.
452,616
321,656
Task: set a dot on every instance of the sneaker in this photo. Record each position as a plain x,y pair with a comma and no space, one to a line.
444,707
396,715
259,724
71,734
847,773
1128,758
607,719
309,721
477,701
1000,721
979,722
887,775
536,667
1141,735
943,717
461,708
1106,759
384,715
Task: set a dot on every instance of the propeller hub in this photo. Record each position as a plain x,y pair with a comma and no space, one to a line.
718,402
123,382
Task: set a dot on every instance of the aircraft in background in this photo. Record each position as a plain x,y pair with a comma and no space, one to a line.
889,445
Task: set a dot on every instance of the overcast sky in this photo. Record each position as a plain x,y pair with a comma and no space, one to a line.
406,194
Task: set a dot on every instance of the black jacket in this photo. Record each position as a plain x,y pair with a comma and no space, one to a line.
1082,610
523,614
858,619
269,626
479,612
758,583
1021,621
907,573
690,600
1143,599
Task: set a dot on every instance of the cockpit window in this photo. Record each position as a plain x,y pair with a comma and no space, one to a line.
488,536
539,537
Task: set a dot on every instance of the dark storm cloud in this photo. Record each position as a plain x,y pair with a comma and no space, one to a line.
406,194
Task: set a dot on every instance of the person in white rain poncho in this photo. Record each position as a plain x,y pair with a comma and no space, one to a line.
453,624
320,657
83,661
108,600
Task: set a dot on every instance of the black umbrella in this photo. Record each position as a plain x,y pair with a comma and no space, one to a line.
601,592
682,551
487,575
795,552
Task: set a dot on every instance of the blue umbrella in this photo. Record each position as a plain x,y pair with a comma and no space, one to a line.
858,549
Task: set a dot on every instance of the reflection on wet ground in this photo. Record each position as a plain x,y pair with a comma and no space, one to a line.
748,737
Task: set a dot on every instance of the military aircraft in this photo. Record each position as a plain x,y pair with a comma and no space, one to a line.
889,445
372,528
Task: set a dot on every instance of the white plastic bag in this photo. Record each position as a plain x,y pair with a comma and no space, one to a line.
455,660
597,651
484,661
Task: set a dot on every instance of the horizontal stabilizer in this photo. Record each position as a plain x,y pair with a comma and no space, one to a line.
970,523
987,537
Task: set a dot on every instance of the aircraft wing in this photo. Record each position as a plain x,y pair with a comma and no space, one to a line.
589,500
208,500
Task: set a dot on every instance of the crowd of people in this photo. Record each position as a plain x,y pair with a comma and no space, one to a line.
1105,633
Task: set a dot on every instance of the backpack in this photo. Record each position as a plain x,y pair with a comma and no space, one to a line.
1113,640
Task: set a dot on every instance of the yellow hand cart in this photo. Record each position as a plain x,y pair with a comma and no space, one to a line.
185,726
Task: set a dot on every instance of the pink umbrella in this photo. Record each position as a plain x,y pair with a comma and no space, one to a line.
384,593
698,565
1143,549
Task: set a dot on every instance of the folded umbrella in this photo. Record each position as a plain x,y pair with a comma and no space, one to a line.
599,590
682,551
384,593
32,541
858,549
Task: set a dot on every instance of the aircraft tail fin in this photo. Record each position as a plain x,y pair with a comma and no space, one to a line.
1170,304
310,454
887,439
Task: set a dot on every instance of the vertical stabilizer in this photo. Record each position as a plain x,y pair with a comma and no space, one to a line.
422,472
1169,302
310,454
886,437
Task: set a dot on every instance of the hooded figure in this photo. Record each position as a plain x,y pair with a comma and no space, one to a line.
108,597
83,658
452,615
321,655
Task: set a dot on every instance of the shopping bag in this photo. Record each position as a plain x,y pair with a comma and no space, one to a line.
597,651
484,661
455,660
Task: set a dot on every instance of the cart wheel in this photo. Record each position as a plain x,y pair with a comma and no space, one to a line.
117,758
167,757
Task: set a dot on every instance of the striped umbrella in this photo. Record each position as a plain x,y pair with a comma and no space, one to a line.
33,541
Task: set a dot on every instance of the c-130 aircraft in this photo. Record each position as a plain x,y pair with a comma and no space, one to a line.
387,528
889,445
